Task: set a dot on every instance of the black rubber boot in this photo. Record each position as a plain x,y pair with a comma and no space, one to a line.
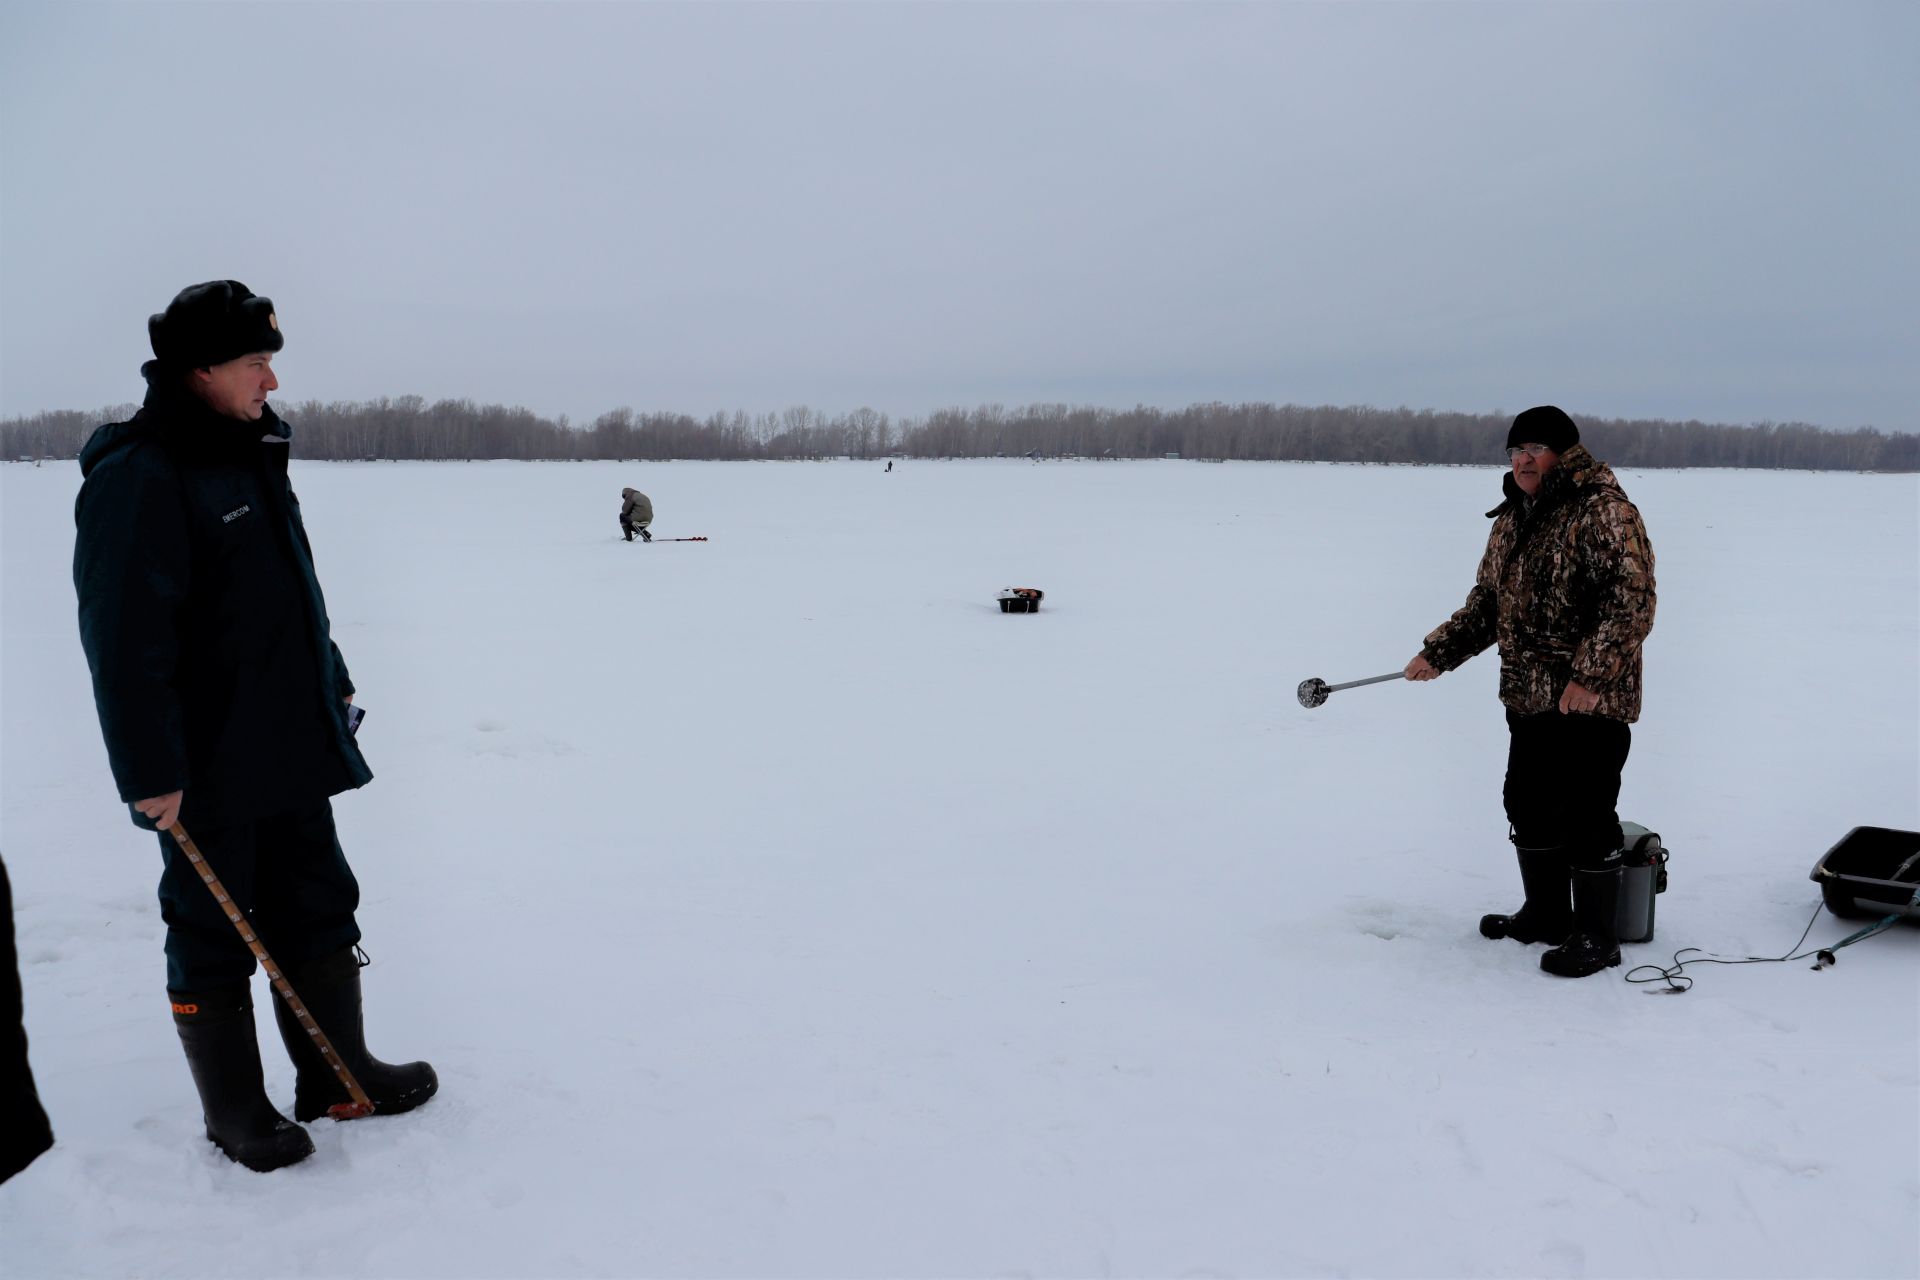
216,1030
1545,916
1595,943
25,1134
330,988
645,536
24,1131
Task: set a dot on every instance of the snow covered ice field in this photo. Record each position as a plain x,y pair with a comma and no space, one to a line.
777,907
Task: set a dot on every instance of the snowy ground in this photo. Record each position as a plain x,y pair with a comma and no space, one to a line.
776,907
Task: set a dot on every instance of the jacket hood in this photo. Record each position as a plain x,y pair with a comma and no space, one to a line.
1584,471
109,440
1578,472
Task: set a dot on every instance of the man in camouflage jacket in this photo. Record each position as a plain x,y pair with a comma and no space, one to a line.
1565,590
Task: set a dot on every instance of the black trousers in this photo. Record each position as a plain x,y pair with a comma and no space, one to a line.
286,873
24,1131
1563,781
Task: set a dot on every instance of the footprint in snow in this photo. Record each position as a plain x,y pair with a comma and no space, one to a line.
1378,918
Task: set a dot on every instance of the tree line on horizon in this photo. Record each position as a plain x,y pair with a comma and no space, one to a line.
408,428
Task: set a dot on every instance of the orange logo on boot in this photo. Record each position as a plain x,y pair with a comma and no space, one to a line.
186,1009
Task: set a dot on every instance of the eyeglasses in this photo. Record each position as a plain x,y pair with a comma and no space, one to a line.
1531,450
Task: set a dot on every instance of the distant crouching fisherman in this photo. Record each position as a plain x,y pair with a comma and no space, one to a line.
636,513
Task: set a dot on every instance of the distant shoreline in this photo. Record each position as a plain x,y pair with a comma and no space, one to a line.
411,429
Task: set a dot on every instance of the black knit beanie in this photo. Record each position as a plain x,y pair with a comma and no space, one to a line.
212,323
1544,424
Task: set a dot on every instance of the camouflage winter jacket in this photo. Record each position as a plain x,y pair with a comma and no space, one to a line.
1565,589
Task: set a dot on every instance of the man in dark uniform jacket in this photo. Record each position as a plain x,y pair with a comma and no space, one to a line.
224,703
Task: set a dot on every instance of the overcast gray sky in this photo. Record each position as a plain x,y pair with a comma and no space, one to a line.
1667,210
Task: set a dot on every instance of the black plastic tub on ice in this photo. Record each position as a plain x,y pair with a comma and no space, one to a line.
1872,872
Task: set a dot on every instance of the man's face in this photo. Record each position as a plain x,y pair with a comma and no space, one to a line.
238,388
1531,462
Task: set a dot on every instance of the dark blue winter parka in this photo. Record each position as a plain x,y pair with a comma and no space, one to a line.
214,670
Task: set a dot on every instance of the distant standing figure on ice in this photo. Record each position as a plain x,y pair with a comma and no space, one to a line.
889,464
636,513
1565,590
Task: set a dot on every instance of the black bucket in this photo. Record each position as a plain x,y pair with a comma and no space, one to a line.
1643,875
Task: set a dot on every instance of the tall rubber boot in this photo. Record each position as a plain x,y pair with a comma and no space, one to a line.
1545,916
216,1030
330,988
1594,943
24,1131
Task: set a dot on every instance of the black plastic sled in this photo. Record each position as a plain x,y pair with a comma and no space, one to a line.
1872,872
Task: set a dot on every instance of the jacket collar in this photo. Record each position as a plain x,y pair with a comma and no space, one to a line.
186,424
1576,470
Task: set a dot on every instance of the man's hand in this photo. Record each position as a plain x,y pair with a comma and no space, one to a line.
164,810
1577,697
1421,669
